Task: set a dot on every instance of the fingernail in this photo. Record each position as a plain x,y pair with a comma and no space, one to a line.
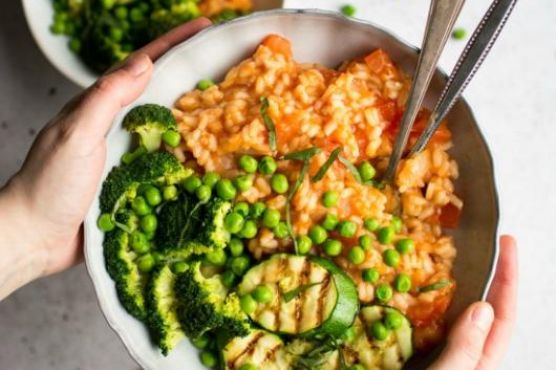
482,316
137,65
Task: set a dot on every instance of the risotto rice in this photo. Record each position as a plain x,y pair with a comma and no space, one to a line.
357,108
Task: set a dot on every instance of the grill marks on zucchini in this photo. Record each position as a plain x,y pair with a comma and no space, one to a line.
259,348
313,307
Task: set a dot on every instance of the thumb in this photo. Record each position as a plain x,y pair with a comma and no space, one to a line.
466,340
94,111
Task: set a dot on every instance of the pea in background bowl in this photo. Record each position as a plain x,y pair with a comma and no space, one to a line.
327,38
39,13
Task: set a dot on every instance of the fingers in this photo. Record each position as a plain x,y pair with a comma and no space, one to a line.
465,342
503,297
161,45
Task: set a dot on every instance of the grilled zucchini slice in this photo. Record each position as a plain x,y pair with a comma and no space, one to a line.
260,348
312,296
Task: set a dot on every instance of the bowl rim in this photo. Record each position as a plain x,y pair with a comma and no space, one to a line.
159,64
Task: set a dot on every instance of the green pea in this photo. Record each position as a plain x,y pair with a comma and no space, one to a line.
105,222
201,342
402,283
357,367
140,206
228,279
271,218
356,255
204,193
107,4
304,244
385,235
349,335
267,165
370,275
236,247
172,138
121,12
405,246
248,163
347,229
136,15
279,183
393,320
158,257
318,234
216,257
263,294
139,242
205,84
249,230
248,367
332,247
210,179
58,28
366,171
330,198
391,257
281,230
240,264
348,10
179,267
191,183
233,222
396,224
257,210
145,263
225,189
148,223
243,182
459,33
366,242
330,222
248,303
153,196
75,44
371,224
383,292
208,359
379,331
169,192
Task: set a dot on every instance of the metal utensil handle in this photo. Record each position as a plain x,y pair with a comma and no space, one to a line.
467,65
441,19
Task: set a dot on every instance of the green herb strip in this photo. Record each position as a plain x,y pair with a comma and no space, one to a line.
316,357
303,155
351,168
322,171
292,294
268,123
435,286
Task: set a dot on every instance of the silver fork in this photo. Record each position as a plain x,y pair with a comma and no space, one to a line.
442,16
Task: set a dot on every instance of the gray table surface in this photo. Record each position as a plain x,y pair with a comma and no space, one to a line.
56,323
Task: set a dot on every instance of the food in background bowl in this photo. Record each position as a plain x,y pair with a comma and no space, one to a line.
262,231
104,32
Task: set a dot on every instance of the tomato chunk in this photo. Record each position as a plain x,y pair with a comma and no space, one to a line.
450,216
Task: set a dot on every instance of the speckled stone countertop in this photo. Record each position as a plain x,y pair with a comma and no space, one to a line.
56,323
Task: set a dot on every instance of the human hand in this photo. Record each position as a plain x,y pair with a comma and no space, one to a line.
45,203
479,338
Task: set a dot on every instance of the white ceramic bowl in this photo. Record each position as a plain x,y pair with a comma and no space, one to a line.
39,15
329,39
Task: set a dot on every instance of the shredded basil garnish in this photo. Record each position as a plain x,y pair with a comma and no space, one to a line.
435,286
268,123
351,167
294,293
303,155
322,171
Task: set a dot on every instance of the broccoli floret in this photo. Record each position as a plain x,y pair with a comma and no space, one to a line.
172,15
150,122
152,168
121,266
205,305
213,233
193,227
163,322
